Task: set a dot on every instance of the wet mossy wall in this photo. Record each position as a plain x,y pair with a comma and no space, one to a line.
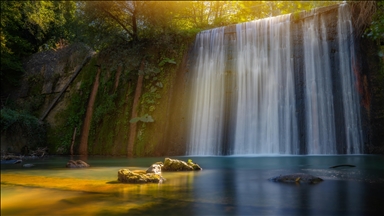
112,110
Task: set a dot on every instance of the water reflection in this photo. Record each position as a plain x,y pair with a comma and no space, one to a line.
226,186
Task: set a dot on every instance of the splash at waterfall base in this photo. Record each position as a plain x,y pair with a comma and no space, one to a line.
277,86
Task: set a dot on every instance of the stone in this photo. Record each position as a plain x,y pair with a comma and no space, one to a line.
155,168
11,161
178,165
77,164
128,176
194,165
297,178
28,165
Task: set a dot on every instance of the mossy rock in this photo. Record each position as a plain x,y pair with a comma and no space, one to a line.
128,176
178,165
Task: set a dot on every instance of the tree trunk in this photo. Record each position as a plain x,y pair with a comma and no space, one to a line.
133,126
83,148
117,77
73,140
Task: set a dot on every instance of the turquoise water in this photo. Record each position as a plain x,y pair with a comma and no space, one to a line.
226,186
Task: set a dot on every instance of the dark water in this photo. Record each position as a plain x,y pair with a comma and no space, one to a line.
225,186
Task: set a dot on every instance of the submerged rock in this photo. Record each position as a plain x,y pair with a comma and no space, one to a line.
343,165
297,178
28,165
76,164
128,176
178,165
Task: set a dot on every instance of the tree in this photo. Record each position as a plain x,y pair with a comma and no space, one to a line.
121,15
27,27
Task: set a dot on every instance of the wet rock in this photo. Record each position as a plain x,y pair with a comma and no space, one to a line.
128,176
11,161
297,178
155,168
178,165
28,165
76,164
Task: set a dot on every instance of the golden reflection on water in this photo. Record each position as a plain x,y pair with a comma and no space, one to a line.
27,193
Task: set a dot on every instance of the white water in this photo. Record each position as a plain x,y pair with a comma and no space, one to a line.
208,97
319,112
254,70
353,128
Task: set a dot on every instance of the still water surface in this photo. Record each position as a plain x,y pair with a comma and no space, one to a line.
226,186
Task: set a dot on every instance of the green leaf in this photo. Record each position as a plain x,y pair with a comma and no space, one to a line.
159,84
166,60
153,89
144,118
134,120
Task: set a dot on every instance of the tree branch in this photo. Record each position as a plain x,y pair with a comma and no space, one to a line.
119,22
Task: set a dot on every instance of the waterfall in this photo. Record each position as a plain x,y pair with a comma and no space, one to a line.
274,86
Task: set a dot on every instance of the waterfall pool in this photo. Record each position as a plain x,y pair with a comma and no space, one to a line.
227,185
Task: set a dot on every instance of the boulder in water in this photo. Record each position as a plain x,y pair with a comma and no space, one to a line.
155,168
297,178
128,176
178,165
76,164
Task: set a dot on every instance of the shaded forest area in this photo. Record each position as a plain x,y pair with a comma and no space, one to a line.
139,43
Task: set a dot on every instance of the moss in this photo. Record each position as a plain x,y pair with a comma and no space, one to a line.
155,99
177,165
112,111
128,176
72,116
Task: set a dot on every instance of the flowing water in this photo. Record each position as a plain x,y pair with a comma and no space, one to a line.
276,86
227,185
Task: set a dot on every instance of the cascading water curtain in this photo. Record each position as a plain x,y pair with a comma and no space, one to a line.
263,117
319,107
208,95
351,101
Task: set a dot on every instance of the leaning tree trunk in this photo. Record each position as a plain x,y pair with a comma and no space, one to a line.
133,126
83,148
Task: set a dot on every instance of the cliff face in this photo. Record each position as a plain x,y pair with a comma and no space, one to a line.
371,88
48,73
92,111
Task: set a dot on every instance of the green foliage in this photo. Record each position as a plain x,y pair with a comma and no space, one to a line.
27,125
27,27
167,60
72,117
375,30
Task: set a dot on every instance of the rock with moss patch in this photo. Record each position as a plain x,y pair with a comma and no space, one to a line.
76,164
128,176
179,165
